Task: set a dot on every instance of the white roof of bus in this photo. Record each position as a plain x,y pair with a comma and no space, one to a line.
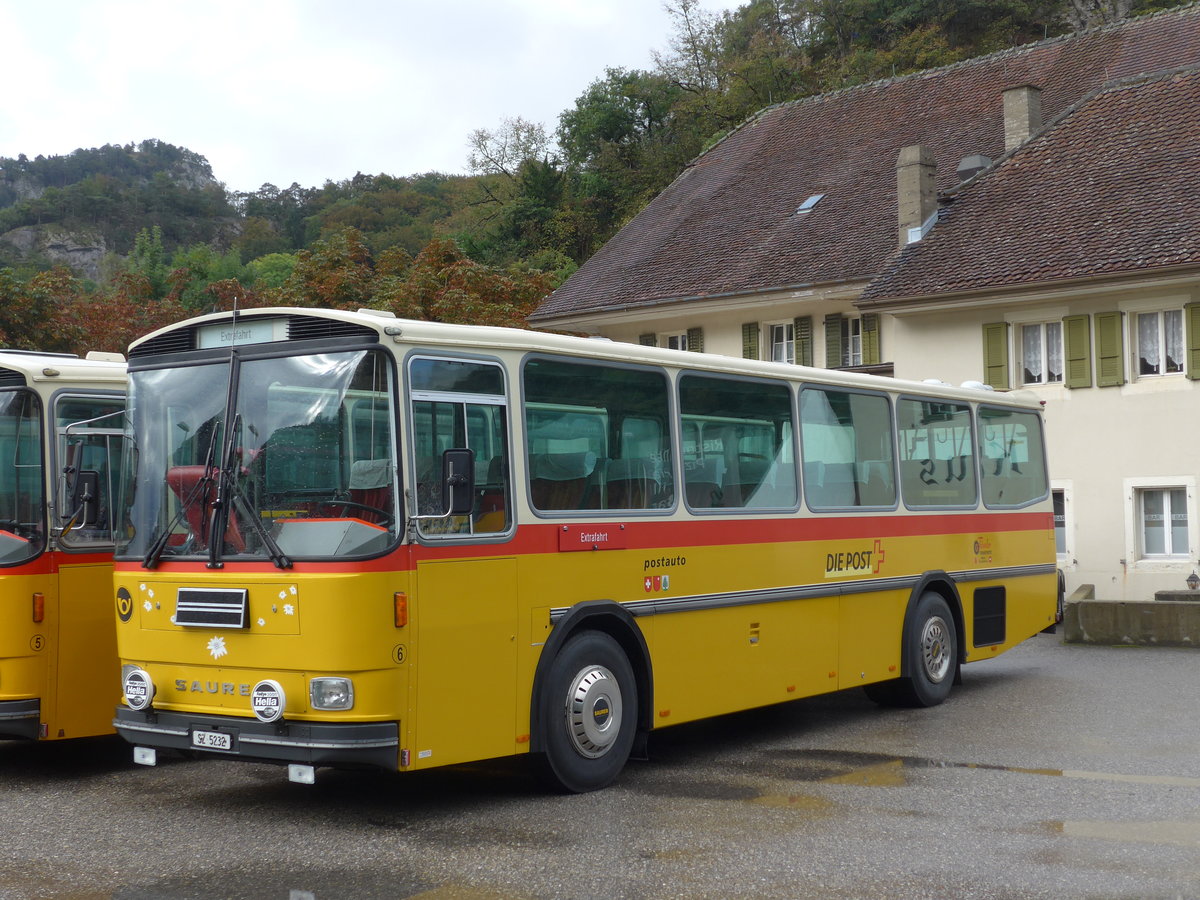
481,338
106,367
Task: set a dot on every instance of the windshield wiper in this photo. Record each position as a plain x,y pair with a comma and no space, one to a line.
203,483
232,500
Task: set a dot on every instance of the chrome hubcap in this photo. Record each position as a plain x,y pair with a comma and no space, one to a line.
593,711
935,649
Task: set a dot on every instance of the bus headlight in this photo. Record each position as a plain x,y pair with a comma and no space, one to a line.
137,687
331,693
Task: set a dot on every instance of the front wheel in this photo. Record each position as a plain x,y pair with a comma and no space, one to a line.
588,713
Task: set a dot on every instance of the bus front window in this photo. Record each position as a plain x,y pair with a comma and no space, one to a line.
21,482
306,468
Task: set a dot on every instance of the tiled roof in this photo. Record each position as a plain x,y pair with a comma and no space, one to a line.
1112,187
727,225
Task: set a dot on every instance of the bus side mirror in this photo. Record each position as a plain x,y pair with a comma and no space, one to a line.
458,482
85,494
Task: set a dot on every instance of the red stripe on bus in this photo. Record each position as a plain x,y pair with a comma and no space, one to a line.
542,538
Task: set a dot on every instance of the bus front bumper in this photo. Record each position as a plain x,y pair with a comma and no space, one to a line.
373,744
21,719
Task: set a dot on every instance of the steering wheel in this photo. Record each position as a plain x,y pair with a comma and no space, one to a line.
384,517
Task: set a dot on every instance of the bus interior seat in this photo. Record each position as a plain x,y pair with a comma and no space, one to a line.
752,473
371,485
877,487
558,480
702,482
184,481
628,484
490,512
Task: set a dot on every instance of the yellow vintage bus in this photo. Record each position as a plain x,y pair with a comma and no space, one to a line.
353,539
60,438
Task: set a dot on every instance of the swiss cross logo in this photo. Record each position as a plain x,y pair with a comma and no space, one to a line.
648,581
655,583
879,557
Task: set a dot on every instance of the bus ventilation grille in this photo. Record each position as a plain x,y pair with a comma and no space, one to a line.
171,342
212,607
307,328
11,378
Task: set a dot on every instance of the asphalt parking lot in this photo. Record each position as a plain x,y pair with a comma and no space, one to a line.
1055,771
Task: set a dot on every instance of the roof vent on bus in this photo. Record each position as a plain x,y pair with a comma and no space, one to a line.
104,356
382,313
977,386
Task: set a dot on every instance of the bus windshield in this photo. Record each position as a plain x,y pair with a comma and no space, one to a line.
297,461
21,482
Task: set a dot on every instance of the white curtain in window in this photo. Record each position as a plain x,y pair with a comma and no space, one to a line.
1148,348
1173,326
1054,351
1031,353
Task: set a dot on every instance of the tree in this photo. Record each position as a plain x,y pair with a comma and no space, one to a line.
334,272
39,314
148,260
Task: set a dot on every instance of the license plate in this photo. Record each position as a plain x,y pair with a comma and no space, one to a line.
212,740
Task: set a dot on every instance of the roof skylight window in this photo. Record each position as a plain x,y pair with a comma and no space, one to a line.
809,204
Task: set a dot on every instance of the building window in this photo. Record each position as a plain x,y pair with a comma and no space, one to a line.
1163,517
1042,353
852,342
1060,522
677,341
1160,342
783,343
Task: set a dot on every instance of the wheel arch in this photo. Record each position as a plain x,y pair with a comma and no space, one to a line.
942,584
614,620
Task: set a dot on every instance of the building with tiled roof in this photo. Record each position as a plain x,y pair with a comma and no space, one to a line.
1072,269
1024,219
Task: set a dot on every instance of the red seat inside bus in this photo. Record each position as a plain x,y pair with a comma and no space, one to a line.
196,500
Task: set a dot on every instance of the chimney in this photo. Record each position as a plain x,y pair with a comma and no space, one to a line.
1022,114
916,191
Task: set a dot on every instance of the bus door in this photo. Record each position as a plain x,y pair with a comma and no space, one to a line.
464,611
88,430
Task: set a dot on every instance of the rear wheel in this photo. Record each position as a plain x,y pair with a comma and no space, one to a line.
931,653
588,713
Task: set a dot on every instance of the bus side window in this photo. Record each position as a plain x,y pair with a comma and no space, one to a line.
1014,467
90,444
597,436
460,405
738,450
850,434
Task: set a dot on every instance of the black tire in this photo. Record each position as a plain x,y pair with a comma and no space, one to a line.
931,653
588,714
933,649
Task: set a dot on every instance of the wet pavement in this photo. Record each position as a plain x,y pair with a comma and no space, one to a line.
1055,771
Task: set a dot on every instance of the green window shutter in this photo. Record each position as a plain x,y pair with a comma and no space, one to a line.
1191,318
995,355
695,338
803,337
1077,345
648,340
1110,350
870,339
833,340
749,340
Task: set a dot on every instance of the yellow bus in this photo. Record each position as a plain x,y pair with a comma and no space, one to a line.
353,539
60,437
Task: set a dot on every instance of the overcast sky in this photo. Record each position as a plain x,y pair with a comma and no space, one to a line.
285,91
